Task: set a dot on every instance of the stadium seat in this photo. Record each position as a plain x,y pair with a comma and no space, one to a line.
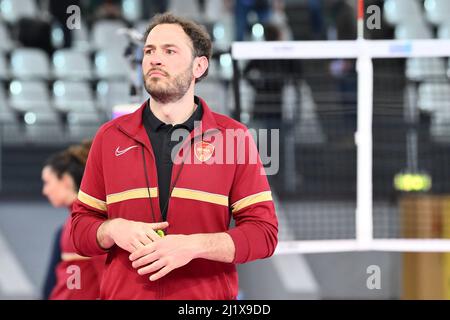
6,115
145,94
214,9
73,96
43,128
80,39
6,43
29,96
141,26
435,97
448,69
444,31
213,70
214,93
105,36
409,31
71,65
186,8
223,33
11,131
132,9
309,129
110,64
247,98
82,125
3,99
226,66
13,10
57,36
4,104
110,93
29,64
419,69
440,128
437,11
401,11
4,72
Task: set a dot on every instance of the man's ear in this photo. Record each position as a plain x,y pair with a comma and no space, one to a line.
199,67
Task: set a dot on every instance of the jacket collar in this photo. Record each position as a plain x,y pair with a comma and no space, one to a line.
133,126
151,122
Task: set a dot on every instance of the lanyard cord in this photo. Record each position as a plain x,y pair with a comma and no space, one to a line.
148,184
163,212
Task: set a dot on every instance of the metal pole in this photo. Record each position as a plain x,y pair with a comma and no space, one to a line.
236,91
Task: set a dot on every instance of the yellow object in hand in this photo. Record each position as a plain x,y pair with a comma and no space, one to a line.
160,233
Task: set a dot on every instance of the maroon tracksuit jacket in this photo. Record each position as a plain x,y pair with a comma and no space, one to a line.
120,180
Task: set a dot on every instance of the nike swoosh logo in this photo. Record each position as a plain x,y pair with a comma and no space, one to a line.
121,152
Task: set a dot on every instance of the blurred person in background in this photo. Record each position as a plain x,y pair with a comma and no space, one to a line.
242,8
70,276
316,16
342,26
150,8
104,10
280,20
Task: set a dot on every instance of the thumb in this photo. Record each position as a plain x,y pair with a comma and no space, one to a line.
159,225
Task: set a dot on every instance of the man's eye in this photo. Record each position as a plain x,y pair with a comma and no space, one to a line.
149,52
170,51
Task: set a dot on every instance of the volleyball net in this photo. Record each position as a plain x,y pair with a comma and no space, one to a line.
364,140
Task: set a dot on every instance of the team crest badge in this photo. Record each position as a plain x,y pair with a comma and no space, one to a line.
203,150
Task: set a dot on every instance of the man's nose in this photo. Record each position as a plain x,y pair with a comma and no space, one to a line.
155,62
155,59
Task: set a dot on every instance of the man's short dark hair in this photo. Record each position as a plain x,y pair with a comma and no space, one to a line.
200,38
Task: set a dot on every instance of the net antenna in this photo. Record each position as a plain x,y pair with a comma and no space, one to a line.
360,17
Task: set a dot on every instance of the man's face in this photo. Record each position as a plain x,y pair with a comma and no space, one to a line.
167,65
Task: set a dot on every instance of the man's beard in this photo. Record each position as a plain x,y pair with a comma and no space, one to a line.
168,91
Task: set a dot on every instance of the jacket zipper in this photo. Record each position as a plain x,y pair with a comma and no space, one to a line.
159,288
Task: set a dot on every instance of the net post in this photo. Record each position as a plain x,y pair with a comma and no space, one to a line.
236,90
364,143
